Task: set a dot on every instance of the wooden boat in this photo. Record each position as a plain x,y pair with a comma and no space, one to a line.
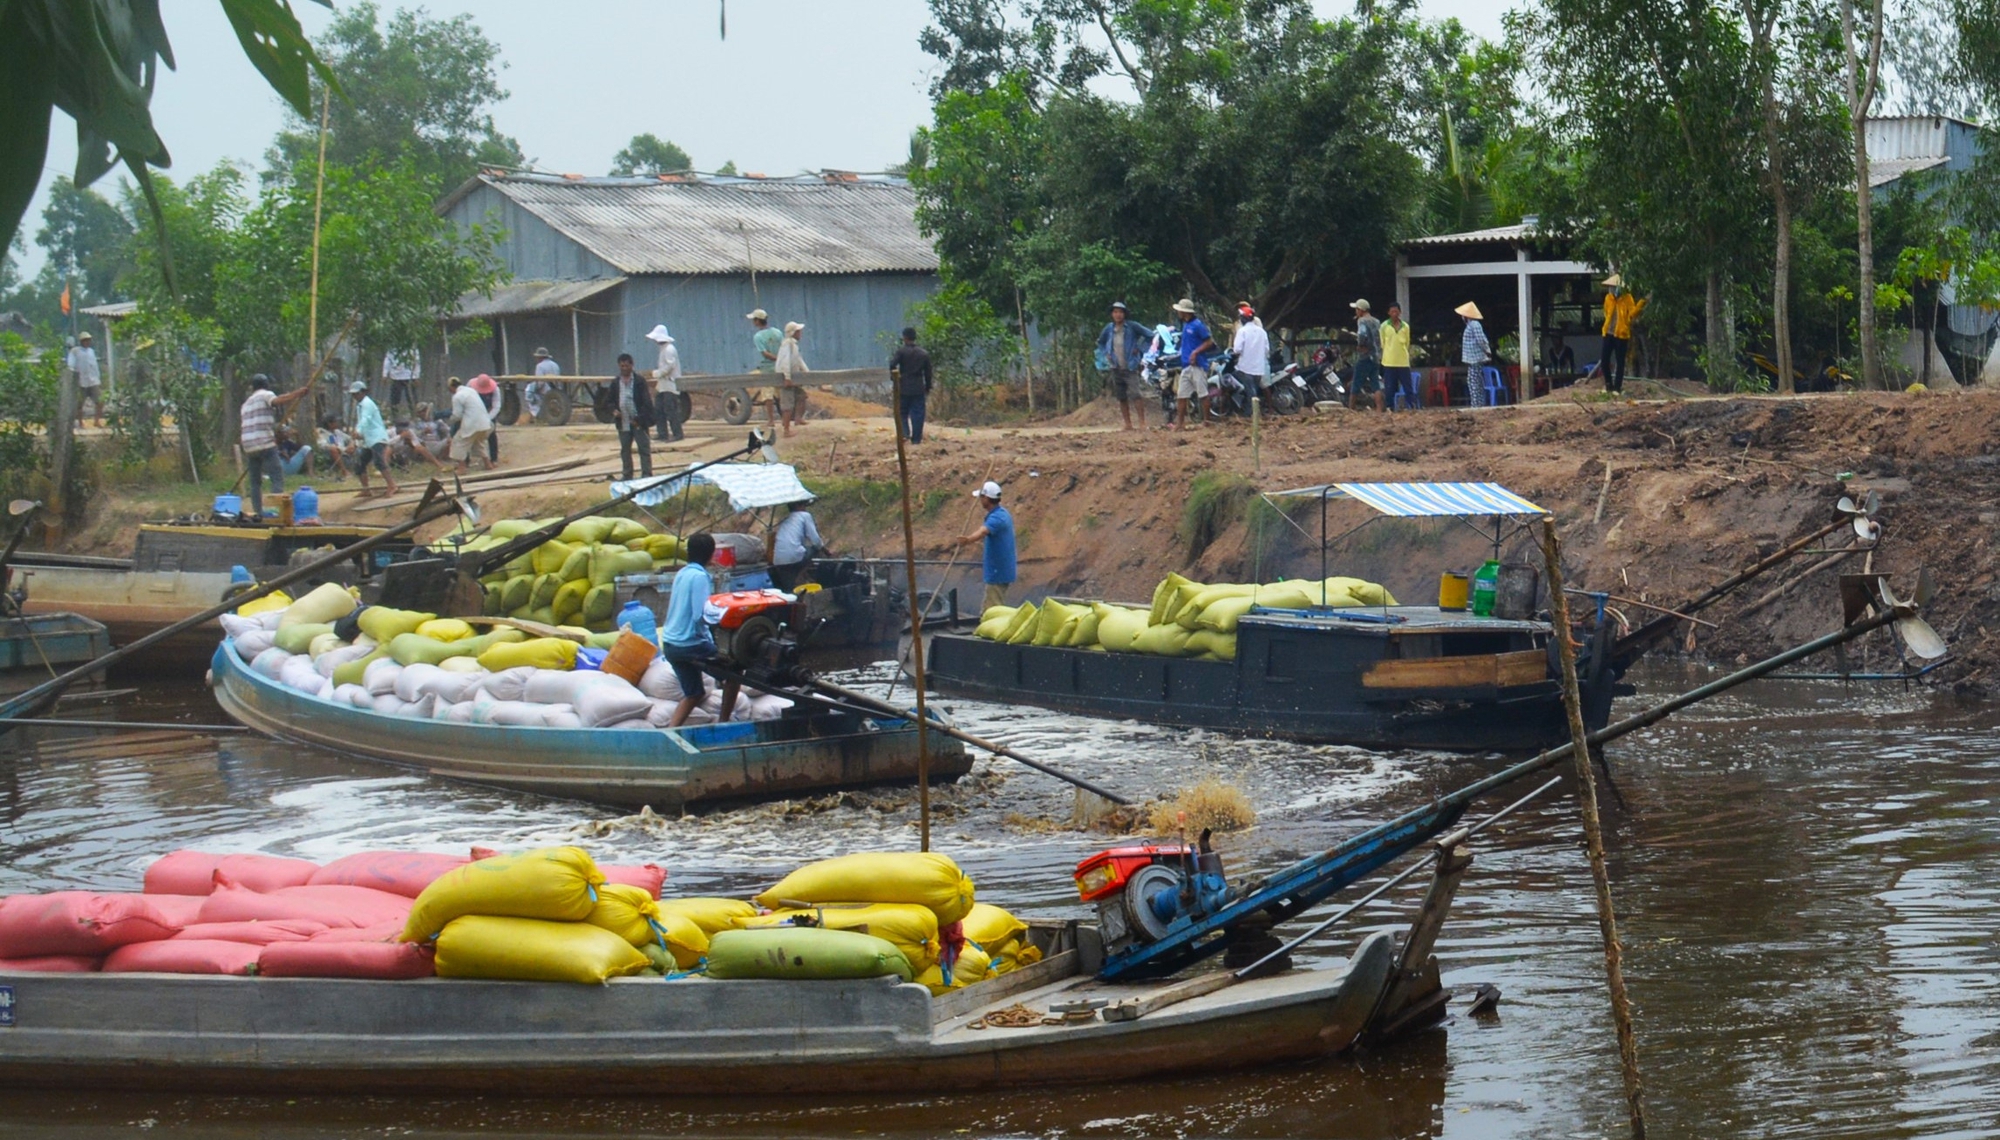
667,769
656,1037
1382,677
37,641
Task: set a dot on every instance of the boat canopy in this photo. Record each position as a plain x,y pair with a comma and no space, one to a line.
1426,500
750,486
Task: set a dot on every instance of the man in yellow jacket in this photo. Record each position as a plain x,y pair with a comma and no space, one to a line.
1620,307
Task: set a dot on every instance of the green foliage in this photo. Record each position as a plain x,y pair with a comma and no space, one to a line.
87,239
1216,500
198,223
172,376
28,390
650,154
969,344
417,89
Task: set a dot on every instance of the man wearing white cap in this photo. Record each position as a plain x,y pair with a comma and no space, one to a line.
545,365
1620,307
667,386
767,341
83,362
373,442
998,531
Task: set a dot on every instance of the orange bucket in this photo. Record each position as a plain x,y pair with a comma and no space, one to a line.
283,501
629,656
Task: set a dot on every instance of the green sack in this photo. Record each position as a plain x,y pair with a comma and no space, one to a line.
804,952
296,638
600,602
576,566
495,602
610,561
544,591
568,601
516,593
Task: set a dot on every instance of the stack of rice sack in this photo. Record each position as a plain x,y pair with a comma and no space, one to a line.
418,665
1187,618
569,580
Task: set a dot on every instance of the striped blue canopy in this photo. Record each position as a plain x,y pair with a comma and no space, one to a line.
1427,500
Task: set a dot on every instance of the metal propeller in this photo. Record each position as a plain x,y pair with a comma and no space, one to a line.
1917,634
1863,514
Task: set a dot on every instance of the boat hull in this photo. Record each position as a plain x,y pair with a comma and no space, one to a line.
640,1037
664,769
40,640
131,604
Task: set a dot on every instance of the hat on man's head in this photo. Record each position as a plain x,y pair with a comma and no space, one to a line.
483,384
756,315
1616,280
1359,303
1469,310
795,326
989,490
83,336
260,381
1119,306
542,353
1184,305
660,335
358,387
1245,309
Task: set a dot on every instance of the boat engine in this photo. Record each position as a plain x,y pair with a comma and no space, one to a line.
1142,892
760,633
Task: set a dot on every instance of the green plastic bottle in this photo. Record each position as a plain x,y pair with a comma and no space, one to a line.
1485,583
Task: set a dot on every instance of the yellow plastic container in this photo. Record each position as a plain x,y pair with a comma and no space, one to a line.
1453,590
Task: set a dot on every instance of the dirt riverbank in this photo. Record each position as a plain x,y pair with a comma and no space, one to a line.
1655,501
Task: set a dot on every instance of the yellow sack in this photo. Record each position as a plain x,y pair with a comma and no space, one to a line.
322,644
461,664
993,623
444,629
299,638
568,600
1220,616
587,530
609,562
909,928
710,915
1292,596
1080,631
384,623
543,593
541,652
1049,623
600,603
511,528
533,950
1364,593
1163,595
992,927
325,605
275,600
1208,643
1118,627
1161,641
1197,603
926,879
628,912
550,556
577,565
554,883
1021,630
972,966
626,530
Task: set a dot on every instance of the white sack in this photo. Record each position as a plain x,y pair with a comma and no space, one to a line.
659,682
236,625
355,695
380,676
507,684
609,701
270,663
410,682
257,641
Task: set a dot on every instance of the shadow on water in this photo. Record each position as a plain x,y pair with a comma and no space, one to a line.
1805,875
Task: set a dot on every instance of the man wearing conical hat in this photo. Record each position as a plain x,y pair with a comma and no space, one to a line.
1620,307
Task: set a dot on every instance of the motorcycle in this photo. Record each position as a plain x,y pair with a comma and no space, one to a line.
1322,383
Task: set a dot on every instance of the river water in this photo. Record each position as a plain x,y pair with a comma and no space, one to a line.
1805,875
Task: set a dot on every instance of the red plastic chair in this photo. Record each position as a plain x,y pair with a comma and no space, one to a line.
1437,393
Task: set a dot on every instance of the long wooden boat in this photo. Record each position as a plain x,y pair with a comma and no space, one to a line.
1382,677
38,641
667,769
657,1037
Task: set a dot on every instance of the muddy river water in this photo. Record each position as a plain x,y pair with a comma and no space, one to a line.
1808,880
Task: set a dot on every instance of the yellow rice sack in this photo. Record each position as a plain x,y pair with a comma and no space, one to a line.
627,530
992,927
299,638
1049,623
601,602
1221,615
926,879
1207,642
710,915
577,565
554,883
628,912
993,623
543,593
973,965
1163,595
909,928
275,600
550,556
608,562
444,629
325,605
533,950
321,644
1161,640
1118,627
385,623
511,528
541,652
1021,630
1195,602
594,528
1080,631
1364,592
568,600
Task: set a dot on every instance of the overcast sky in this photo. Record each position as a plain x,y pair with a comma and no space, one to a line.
797,85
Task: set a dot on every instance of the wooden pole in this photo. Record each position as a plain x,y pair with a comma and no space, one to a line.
1027,349
916,650
319,200
1593,831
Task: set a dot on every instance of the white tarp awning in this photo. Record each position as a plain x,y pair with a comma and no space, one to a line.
748,485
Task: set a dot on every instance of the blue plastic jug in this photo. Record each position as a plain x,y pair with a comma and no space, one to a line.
640,620
305,505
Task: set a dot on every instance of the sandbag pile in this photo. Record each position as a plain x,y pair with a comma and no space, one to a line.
569,580
417,665
1187,618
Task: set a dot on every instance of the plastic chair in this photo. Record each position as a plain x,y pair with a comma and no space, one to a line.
1438,395
1406,394
1495,385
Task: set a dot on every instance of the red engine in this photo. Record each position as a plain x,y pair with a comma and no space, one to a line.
731,610
1106,873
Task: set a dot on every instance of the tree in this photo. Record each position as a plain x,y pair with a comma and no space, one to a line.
418,90
87,240
650,154
198,222
1861,75
96,63
727,169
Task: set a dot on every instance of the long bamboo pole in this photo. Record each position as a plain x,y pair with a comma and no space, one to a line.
916,649
319,200
1593,832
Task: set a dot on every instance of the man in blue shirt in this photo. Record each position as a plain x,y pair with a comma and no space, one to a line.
685,638
1197,352
998,531
1119,349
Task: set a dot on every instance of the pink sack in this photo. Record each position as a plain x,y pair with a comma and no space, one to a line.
404,873
193,872
385,932
334,906
181,910
648,875
253,933
50,964
175,956
79,923
323,959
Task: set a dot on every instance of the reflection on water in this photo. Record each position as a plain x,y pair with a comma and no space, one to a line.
1805,876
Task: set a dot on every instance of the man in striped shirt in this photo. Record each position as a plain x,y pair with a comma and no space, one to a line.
260,438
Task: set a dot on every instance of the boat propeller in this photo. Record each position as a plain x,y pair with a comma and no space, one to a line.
1862,514
1860,593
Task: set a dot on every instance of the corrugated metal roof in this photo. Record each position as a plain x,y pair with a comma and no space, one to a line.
1428,500
1882,171
1497,234
532,297
115,310
750,486
811,225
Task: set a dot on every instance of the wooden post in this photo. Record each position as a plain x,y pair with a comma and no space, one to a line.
916,651
1593,831
575,344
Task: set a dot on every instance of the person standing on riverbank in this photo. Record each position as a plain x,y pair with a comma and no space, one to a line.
1367,356
259,438
789,365
911,368
1474,351
1121,346
468,414
1197,353
1621,308
1396,374
89,384
685,639
667,418
766,340
998,533
632,411
372,442
399,368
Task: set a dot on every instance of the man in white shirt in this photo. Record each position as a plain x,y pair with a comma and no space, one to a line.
83,361
544,366
399,368
468,412
667,386
1253,348
793,548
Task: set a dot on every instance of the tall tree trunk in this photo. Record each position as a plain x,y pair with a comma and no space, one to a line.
1781,202
1716,319
1861,71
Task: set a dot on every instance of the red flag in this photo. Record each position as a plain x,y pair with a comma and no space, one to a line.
65,299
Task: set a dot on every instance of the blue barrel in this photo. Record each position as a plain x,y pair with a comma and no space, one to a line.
305,505
229,505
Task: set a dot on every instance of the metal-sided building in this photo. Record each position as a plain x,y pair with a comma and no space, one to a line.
597,262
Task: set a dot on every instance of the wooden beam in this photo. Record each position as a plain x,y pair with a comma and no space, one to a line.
1132,1009
1523,667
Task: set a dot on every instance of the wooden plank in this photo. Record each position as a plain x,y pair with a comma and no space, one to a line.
1132,1009
1523,668
488,476
978,995
1517,668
